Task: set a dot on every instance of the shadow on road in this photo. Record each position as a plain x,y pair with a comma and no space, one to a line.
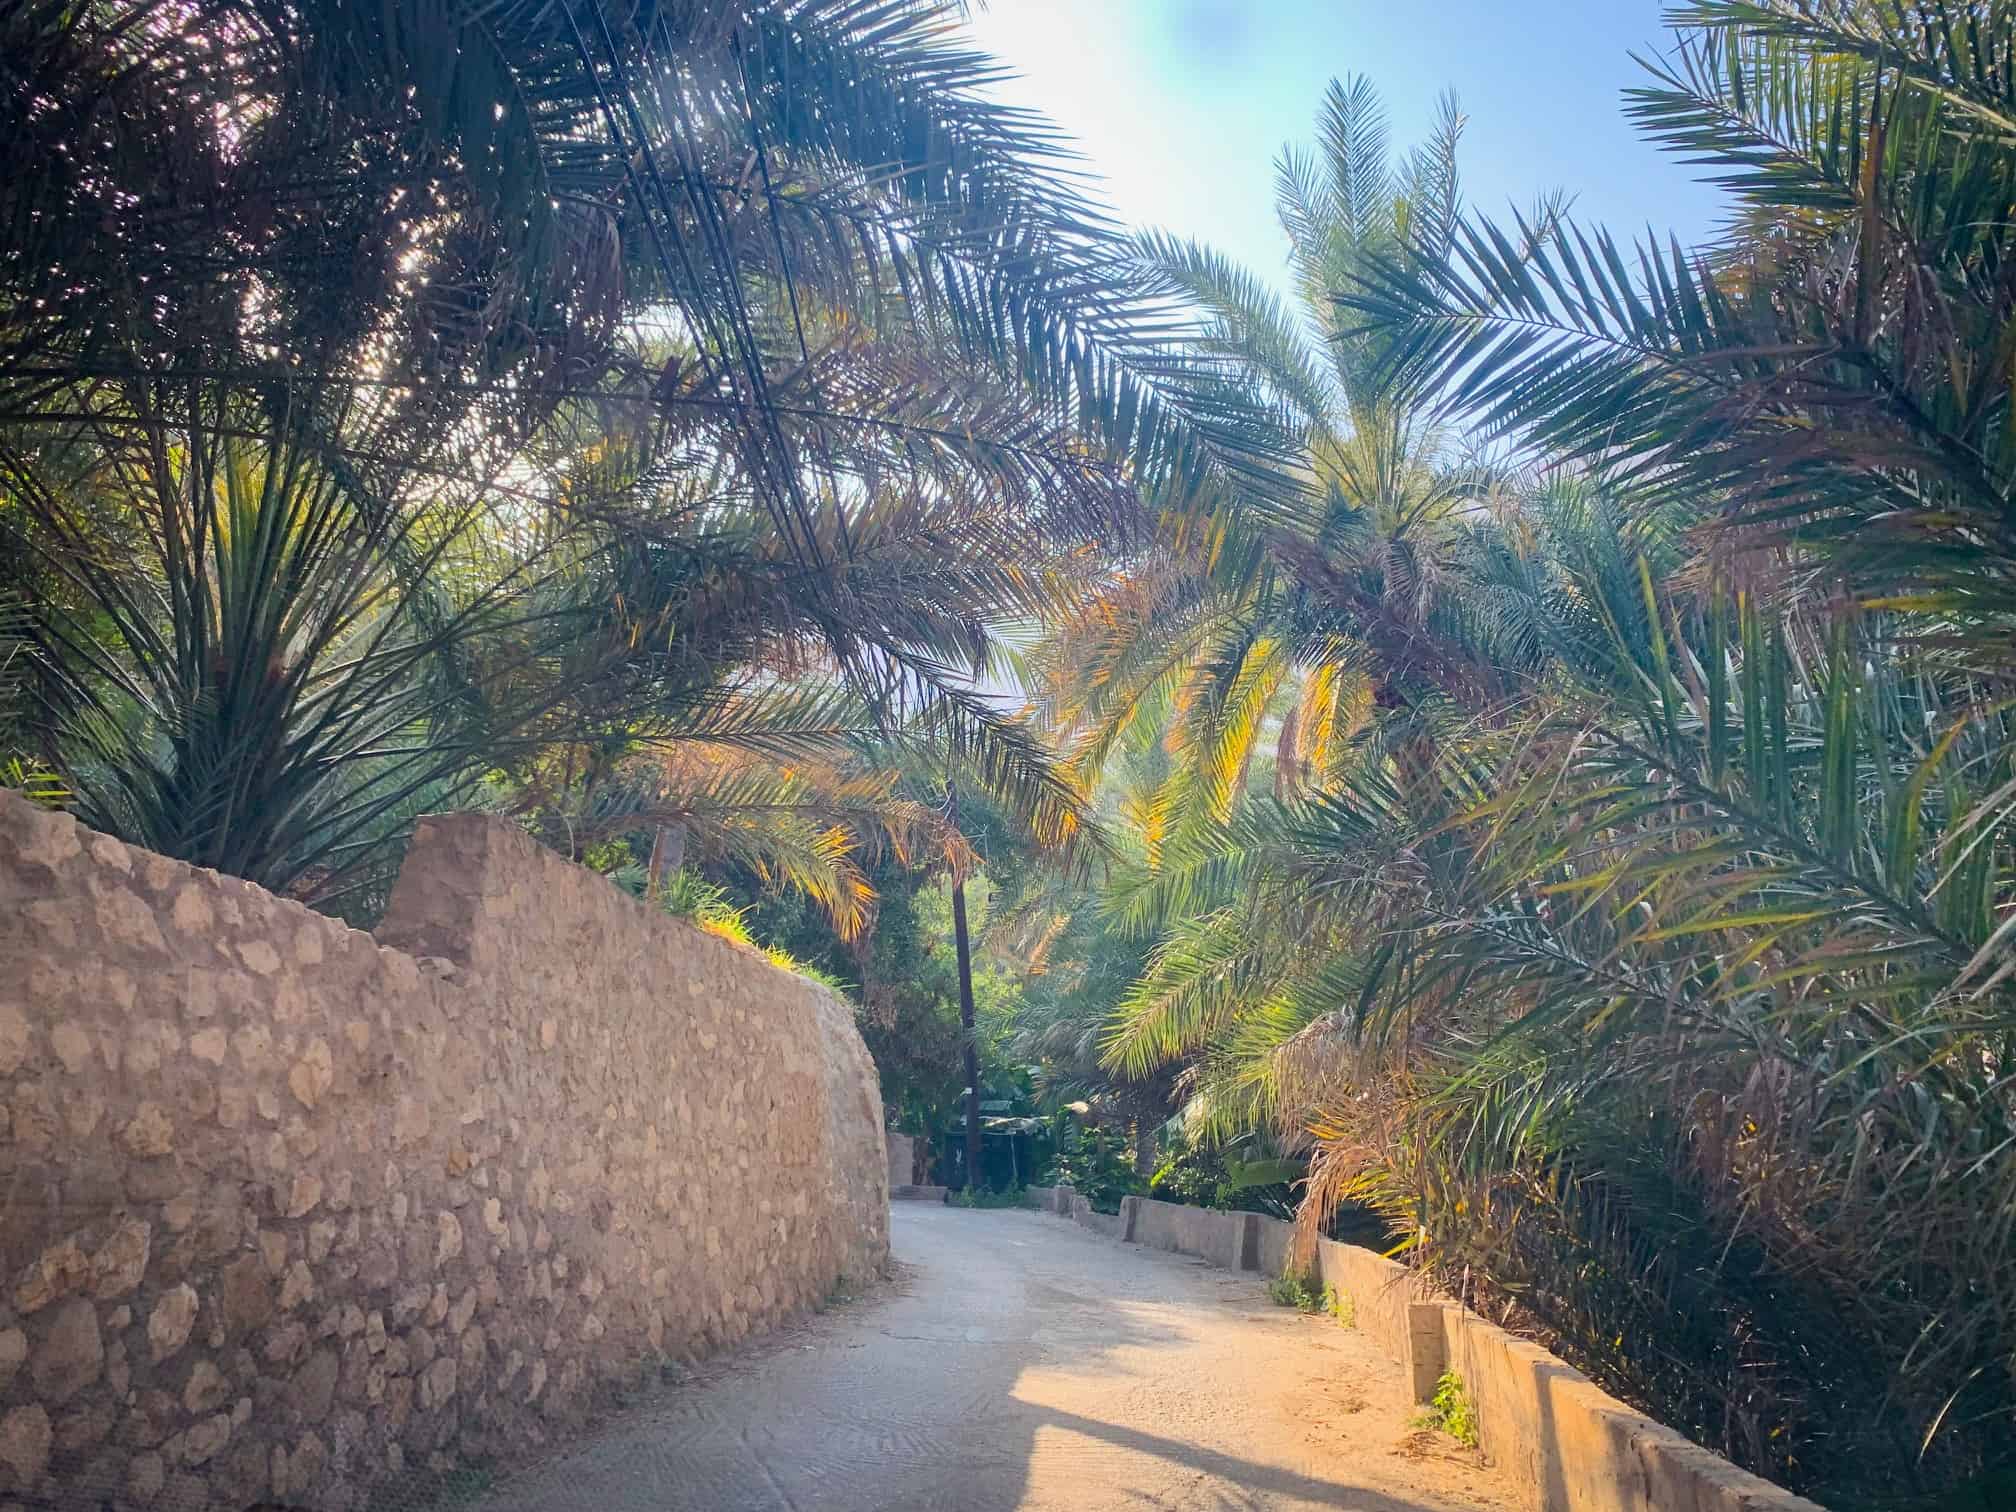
1257,1482
1021,1366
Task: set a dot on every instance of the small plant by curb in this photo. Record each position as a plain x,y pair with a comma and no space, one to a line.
1451,1411
1291,1289
1340,1306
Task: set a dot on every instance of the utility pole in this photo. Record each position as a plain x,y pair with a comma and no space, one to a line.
965,949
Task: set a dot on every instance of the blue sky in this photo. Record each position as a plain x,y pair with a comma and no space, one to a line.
1182,104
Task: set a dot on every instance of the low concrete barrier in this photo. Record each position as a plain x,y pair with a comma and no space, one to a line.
1564,1443
1050,1199
1277,1242
1389,1304
1569,1446
1112,1225
1230,1240
1069,1203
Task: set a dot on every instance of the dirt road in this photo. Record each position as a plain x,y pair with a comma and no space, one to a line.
1023,1363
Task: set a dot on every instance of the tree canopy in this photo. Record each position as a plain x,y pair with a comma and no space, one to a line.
1507,747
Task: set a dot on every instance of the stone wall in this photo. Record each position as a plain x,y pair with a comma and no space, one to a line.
290,1211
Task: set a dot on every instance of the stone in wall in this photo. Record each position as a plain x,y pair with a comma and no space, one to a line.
291,1209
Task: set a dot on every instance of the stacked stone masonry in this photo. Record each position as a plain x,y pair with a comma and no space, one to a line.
288,1211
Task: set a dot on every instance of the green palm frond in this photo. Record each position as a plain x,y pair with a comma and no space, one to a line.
1962,53
1357,157
1432,198
277,658
1639,945
1824,373
1248,324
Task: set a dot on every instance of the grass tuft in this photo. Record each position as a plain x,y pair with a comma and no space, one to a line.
1296,1289
1339,1305
1451,1411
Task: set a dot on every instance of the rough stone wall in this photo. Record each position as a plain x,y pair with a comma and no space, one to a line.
290,1211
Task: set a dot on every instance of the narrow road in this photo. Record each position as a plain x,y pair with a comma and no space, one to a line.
1021,1362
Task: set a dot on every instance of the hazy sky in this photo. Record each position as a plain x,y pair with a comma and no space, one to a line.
1183,104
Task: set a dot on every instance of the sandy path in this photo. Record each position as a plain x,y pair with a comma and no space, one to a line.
1022,1362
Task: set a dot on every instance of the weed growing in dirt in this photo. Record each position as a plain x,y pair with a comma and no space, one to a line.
1340,1306
1297,1290
1451,1411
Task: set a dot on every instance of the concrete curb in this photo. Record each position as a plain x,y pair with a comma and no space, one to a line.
1066,1203
1564,1444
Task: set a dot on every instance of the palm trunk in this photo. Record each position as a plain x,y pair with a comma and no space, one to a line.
1144,1150
966,1025
668,854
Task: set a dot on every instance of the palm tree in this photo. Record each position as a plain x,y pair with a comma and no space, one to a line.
855,319
1337,637
734,173
1661,1001
1825,372
1052,925
1306,618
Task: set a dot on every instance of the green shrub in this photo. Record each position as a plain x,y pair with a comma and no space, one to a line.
1297,1290
1450,1411
1095,1168
685,894
1216,1176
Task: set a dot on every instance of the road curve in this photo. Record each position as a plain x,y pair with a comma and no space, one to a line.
1023,1363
